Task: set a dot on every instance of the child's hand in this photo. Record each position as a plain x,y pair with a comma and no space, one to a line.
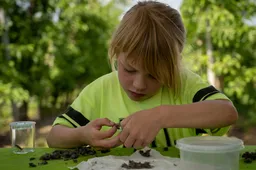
140,128
92,135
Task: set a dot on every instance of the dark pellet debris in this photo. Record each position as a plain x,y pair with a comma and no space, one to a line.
137,165
145,153
105,151
43,162
92,152
75,160
74,156
68,154
66,159
32,165
45,157
248,160
55,155
249,157
166,149
31,159
59,152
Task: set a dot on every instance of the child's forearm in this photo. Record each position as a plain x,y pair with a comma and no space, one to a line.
64,137
205,114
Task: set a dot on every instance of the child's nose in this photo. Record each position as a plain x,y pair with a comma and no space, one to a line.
139,83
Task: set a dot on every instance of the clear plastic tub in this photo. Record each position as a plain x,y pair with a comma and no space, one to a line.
220,152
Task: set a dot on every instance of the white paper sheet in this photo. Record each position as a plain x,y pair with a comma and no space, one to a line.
158,161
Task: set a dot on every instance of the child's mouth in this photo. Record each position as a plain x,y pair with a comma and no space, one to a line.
136,95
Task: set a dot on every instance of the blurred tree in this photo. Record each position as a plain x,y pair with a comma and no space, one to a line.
51,48
221,44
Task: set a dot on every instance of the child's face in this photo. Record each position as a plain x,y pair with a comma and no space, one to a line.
138,84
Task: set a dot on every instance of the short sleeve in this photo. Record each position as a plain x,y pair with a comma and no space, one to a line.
71,118
83,109
196,90
63,121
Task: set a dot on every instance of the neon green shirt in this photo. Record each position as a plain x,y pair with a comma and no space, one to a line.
105,98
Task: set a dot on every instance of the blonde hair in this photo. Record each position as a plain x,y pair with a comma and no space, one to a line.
152,34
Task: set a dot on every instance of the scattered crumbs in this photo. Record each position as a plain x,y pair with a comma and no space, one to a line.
66,159
249,157
44,162
31,159
65,155
105,151
145,153
137,165
32,165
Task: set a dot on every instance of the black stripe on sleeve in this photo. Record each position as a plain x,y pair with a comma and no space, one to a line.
167,137
204,93
210,94
77,116
68,121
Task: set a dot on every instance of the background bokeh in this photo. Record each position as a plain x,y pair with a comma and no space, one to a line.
51,49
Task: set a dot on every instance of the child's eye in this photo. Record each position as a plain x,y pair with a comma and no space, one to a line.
129,71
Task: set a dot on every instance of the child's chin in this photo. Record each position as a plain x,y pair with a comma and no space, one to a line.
137,99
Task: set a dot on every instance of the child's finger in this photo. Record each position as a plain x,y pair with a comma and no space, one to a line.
110,143
98,123
123,135
125,121
107,134
138,144
129,142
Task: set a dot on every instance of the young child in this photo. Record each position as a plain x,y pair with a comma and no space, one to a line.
158,99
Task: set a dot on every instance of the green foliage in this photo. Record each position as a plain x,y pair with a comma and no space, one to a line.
51,48
233,42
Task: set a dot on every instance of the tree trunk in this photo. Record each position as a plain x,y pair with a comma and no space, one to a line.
217,81
5,37
39,112
24,111
15,111
19,113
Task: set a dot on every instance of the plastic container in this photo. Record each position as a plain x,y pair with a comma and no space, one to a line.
220,152
23,136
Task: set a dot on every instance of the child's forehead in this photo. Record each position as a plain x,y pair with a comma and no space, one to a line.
131,59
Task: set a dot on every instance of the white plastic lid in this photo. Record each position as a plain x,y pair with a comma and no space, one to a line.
210,144
22,124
